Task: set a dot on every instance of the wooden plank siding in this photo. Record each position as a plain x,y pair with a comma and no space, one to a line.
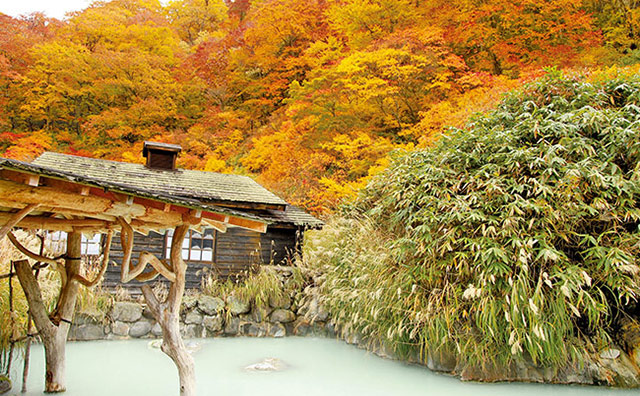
237,251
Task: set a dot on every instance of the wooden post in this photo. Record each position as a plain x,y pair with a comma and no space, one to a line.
54,330
167,314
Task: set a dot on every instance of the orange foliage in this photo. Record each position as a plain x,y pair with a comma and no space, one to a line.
308,97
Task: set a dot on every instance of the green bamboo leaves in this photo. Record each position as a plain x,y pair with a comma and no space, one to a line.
514,239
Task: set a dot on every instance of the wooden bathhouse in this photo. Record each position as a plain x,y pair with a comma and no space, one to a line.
264,228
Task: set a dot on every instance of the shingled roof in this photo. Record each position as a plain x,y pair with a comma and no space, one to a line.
206,190
291,215
207,187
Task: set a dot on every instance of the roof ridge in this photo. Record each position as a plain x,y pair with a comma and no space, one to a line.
198,184
140,164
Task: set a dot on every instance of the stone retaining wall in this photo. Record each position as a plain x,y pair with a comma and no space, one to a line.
207,316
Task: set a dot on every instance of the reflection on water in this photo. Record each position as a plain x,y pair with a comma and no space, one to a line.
313,367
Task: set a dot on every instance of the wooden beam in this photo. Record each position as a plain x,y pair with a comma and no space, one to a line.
251,225
54,224
222,227
15,218
21,194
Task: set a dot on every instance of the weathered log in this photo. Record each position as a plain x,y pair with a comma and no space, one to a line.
53,329
104,264
129,273
15,218
57,263
167,314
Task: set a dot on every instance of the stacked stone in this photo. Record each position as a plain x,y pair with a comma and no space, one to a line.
207,316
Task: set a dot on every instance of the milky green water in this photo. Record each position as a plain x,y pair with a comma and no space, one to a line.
316,367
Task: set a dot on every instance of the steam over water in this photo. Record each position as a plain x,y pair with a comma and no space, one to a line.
314,367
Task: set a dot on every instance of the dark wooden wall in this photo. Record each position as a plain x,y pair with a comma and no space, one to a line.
237,251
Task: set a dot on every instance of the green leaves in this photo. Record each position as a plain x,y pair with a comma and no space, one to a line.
520,234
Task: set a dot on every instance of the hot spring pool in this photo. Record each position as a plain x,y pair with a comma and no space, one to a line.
316,367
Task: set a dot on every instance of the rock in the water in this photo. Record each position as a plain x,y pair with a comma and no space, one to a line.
126,311
282,316
5,384
210,305
155,344
268,364
140,329
237,306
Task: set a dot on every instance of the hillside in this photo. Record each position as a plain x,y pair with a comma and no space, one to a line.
511,243
309,97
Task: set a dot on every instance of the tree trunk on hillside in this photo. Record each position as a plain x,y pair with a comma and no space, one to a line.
167,314
54,330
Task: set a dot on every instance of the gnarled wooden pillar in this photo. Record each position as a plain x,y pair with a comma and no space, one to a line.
54,330
167,314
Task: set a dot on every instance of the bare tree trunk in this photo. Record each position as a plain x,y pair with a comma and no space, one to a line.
167,314
54,330
55,358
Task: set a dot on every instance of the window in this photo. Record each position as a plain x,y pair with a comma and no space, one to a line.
196,246
90,246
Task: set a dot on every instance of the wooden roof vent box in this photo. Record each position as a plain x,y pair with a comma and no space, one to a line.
161,155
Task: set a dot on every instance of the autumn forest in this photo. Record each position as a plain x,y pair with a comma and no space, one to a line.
310,97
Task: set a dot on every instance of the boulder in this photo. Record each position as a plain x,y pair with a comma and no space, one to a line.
140,329
256,315
282,316
124,311
237,306
87,332
146,313
441,361
283,302
210,305
629,336
316,311
268,364
156,330
213,323
94,317
277,330
189,302
255,329
120,329
191,331
232,326
193,317
621,371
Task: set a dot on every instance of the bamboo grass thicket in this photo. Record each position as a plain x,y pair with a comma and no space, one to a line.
514,239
